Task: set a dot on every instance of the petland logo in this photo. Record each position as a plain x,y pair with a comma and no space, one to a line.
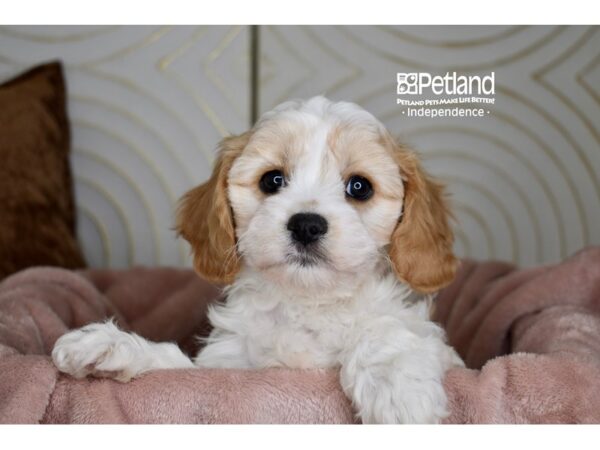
455,89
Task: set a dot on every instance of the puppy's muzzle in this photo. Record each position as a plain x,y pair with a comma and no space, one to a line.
306,228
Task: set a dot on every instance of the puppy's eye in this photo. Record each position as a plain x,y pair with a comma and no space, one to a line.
272,181
359,188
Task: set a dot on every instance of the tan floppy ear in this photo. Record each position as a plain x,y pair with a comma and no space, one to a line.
421,245
205,218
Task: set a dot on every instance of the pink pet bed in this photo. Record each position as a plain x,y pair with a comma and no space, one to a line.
531,340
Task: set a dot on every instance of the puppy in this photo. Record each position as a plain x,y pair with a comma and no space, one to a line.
332,239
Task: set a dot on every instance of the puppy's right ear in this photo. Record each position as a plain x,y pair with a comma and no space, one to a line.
205,218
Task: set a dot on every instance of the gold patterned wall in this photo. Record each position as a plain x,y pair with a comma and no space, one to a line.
525,180
147,106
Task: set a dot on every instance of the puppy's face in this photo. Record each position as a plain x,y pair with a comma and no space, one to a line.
314,201
316,196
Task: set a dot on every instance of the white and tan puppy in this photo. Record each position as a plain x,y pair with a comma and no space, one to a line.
332,240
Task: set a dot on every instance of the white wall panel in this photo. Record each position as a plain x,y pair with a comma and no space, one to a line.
524,180
147,106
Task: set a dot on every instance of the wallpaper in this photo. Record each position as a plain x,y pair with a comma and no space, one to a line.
524,180
147,107
149,104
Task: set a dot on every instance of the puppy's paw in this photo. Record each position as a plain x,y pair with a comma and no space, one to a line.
402,384
405,400
99,350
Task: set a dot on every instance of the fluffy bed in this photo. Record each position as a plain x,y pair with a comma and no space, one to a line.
531,340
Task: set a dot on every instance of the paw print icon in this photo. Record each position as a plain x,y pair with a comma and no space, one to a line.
407,83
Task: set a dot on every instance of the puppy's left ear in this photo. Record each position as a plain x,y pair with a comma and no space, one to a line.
421,245
205,218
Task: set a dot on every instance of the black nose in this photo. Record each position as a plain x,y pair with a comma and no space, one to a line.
307,227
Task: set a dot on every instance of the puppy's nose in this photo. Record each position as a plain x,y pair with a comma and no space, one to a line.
307,227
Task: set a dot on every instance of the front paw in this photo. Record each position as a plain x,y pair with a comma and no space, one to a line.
401,399
99,350
391,386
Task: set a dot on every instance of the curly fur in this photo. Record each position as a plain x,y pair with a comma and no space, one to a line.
362,305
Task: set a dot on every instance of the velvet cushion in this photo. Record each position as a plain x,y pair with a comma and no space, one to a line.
37,213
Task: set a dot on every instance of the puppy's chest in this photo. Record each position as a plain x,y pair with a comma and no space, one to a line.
299,336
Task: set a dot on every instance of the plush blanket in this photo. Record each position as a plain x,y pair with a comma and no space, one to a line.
531,340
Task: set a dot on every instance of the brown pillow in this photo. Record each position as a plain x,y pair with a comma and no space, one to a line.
37,217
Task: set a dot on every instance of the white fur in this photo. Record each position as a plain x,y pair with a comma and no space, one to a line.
101,349
348,311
